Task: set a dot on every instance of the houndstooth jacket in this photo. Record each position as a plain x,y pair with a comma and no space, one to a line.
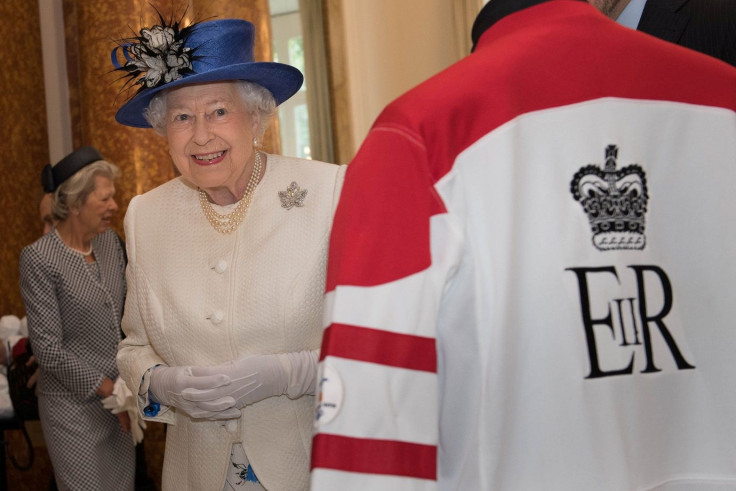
74,310
198,297
73,339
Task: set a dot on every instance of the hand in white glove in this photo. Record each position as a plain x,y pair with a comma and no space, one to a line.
257,377
196,395
122,401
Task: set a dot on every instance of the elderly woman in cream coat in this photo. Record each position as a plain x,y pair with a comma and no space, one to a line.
226,267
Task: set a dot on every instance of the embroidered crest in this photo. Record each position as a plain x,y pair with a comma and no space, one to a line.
615,202
293,196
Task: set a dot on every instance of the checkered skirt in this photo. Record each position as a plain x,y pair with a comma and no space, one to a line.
74,313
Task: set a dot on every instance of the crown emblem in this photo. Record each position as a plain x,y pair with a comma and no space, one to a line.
615,202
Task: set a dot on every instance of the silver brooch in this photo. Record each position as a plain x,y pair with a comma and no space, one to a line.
293,196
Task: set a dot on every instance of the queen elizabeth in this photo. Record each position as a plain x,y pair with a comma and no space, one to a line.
223,317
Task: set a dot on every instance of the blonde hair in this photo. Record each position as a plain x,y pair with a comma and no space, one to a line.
73,192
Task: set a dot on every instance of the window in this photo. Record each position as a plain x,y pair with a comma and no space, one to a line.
288,47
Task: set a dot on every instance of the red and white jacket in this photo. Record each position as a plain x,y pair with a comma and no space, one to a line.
531,272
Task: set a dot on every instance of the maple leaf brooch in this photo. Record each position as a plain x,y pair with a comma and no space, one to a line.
293,196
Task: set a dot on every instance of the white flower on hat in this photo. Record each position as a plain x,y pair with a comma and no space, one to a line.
158,38
156,57
155,69
177,60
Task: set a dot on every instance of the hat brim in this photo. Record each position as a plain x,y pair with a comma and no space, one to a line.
283,81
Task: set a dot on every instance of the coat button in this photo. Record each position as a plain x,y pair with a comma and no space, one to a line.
221,266
217,317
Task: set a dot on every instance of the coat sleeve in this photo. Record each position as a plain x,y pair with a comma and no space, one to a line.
377,415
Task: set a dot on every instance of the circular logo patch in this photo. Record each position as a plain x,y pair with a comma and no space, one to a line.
329,395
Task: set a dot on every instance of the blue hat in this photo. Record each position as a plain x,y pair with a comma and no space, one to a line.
165,57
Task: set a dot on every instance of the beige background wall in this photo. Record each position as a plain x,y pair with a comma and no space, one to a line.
391,46
378,49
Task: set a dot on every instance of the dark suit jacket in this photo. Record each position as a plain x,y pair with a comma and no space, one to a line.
708,26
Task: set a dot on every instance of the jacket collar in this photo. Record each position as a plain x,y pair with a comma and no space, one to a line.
664,19
494,11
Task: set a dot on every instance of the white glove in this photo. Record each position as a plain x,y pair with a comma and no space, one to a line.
196,395
257,377
122,400
137,425
119,399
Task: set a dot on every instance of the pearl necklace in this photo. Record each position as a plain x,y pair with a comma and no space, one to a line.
83,253
226,224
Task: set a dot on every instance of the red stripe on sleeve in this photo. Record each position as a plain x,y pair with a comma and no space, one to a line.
369,456
376,346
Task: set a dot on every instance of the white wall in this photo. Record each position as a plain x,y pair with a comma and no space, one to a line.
391,46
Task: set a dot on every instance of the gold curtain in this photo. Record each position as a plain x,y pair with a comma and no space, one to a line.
318,94
339,87
25,141
24,134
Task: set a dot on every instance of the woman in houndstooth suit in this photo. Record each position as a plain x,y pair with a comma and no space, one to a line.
73,286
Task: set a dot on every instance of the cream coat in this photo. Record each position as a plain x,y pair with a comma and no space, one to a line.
197,297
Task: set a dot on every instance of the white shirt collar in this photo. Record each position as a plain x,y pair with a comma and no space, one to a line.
632,14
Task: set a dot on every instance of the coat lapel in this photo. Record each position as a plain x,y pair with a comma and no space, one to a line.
665,19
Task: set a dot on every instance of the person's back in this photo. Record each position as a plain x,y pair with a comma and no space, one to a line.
555,210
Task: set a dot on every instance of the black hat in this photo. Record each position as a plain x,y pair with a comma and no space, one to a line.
53,176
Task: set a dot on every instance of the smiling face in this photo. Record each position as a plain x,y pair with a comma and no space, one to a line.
96,212
210,132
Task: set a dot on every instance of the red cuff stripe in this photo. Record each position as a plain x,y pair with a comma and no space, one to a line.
376,346
374,456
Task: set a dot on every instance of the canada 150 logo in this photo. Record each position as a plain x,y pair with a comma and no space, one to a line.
615,202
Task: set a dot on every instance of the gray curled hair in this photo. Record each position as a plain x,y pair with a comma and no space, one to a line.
257,99
73,192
